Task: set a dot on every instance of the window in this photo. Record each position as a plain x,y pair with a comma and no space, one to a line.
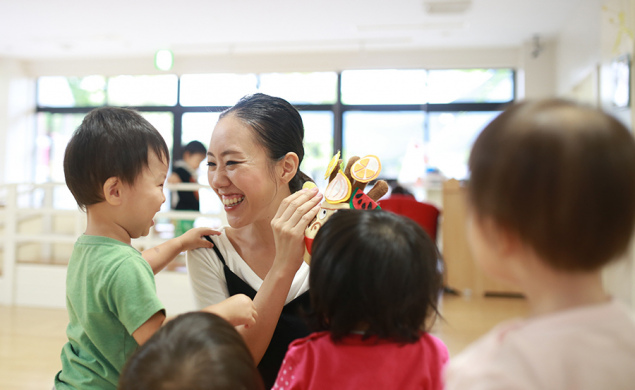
413,119
60,91
142,90
392,136
471,85
384,86
450,139
301,88
216,89
318,143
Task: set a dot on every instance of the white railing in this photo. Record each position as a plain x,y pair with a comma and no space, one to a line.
45,217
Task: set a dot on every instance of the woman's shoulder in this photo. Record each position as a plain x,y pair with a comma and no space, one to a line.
208,255
220,241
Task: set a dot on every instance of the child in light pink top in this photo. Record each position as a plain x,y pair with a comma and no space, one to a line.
552,200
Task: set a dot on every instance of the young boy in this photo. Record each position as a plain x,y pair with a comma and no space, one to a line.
184,171
194,351
552,200
115,166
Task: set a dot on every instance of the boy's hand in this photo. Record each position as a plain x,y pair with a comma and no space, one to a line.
193,238
238,310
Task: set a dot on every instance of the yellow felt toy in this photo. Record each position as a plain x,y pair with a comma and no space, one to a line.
345,190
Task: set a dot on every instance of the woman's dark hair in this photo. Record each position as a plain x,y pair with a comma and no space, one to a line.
562,177
375,271
278,128
110,142
195,351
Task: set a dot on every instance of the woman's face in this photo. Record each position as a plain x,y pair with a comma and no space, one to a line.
242,175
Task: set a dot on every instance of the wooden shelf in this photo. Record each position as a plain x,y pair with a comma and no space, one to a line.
462,273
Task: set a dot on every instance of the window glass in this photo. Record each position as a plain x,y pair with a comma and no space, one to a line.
451,135
164,123
53,133
198,126
312,88
159,90
222,89
318,144
395,137
59,91
471,85
383,86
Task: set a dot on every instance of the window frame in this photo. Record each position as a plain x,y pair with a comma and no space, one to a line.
338,108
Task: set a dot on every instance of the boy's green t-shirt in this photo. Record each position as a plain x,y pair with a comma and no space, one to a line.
110,292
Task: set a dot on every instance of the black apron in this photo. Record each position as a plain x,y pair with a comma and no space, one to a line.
291,324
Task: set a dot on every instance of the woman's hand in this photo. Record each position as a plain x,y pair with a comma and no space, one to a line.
193,238
237,310
294,215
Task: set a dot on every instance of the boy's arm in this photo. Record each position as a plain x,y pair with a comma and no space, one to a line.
238,310
159,256
145,331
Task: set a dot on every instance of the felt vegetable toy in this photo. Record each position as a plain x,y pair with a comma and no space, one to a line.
345,190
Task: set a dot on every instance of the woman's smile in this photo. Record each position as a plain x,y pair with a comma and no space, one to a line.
232,200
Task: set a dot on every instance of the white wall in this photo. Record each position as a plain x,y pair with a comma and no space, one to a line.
286,62
538,65
17,92
45,286
597,33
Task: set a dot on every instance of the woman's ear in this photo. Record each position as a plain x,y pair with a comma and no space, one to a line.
288,166
113,191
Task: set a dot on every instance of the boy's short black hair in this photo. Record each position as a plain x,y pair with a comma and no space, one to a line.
561,176
195,147
376,270
110,142
195,351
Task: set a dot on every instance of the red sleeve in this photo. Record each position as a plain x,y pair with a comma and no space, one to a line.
293,370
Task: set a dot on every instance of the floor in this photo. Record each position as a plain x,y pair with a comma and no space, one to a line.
31,338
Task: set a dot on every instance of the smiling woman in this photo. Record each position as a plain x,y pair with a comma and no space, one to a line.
253,167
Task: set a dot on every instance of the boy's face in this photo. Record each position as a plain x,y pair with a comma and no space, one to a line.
145,197
193,160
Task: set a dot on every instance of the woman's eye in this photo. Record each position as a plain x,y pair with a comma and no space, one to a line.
232,162
211,164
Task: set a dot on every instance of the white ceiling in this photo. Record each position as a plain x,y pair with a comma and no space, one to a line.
43,29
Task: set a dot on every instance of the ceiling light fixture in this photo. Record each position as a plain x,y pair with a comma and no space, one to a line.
436,7
163,59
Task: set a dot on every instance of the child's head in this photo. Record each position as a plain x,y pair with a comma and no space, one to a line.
110,142
373,271
561,178
193,153
196,351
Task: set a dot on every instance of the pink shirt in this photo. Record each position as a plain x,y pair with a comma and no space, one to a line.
315,362
591,347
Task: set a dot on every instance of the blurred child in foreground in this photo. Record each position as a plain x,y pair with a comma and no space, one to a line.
552,201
